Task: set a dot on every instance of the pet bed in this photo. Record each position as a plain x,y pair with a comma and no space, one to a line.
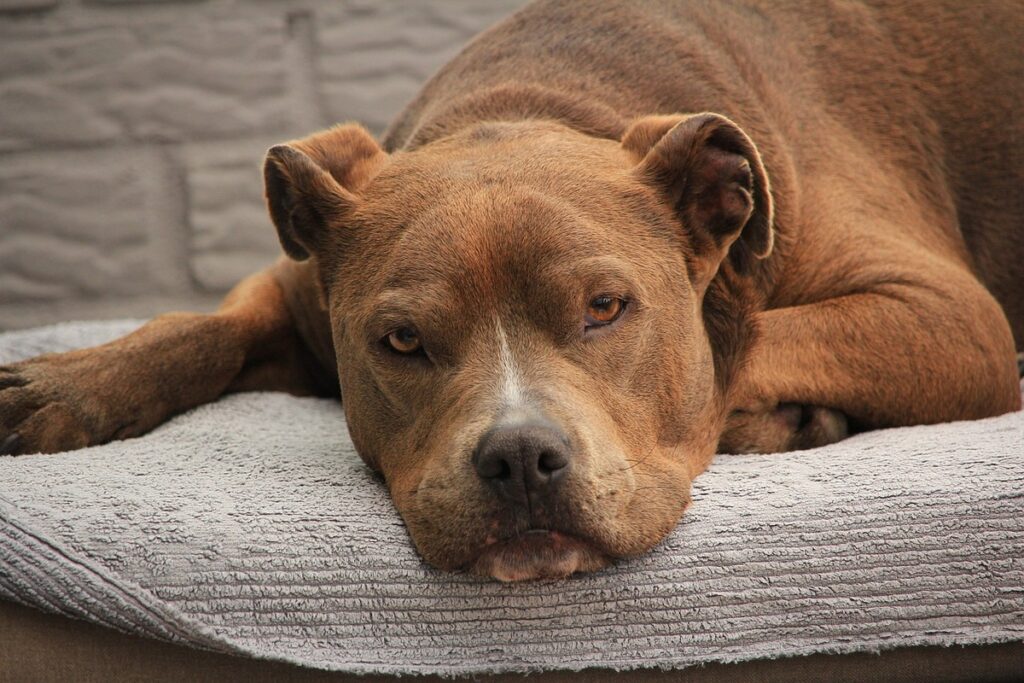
250,526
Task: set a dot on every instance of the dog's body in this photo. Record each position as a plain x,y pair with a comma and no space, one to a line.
877,281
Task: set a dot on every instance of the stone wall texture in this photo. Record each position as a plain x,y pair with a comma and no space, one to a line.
132,132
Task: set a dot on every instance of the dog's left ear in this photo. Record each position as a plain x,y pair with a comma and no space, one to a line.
311,184
707,168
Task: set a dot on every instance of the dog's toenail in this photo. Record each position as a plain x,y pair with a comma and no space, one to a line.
12,381
10,444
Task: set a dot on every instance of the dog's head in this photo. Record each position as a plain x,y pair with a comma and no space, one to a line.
518,312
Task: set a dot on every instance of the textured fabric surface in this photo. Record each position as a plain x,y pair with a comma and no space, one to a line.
250,525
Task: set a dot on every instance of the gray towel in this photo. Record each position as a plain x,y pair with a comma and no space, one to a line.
250,526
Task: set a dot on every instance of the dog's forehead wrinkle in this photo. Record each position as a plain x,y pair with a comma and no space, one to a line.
484,243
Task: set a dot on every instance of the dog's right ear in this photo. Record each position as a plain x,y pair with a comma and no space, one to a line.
313,183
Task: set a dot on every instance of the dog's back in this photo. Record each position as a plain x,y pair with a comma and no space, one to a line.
950,75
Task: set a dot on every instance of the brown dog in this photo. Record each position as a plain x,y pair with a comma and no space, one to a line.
558,286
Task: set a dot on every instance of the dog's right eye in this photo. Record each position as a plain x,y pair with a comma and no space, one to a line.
404,340
603,310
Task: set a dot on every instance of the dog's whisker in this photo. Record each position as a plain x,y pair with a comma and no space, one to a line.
641,460
646,458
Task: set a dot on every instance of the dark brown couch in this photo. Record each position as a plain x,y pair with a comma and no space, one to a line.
43,647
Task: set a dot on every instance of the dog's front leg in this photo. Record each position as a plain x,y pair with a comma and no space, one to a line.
129,386
918,351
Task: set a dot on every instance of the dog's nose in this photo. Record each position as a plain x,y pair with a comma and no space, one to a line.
522,459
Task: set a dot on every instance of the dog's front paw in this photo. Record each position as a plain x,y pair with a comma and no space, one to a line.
787,427
37,410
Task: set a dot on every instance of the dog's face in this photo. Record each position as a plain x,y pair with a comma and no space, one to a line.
517,317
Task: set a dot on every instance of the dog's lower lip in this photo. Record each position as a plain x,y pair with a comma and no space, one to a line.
531,533
541,532
536,553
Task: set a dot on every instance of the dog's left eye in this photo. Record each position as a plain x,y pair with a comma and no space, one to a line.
603,310
404,340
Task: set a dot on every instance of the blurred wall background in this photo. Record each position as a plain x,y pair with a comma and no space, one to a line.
132,132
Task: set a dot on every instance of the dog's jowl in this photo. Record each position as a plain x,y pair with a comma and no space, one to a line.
605,241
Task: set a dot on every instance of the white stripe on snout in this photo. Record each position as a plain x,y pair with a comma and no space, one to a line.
512,393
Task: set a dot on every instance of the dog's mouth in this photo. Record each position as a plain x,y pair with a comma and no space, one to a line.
537,554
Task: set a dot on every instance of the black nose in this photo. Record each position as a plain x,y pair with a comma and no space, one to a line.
522,459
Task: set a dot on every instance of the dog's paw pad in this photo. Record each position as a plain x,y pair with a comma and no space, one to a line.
819,427
787,427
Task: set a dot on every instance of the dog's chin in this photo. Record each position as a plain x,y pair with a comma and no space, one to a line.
538,554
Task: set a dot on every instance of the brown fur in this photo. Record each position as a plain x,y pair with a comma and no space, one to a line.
839,246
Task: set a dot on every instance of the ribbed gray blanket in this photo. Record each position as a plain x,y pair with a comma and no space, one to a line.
251,526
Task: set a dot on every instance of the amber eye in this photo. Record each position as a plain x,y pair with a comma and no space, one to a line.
603,310
404,340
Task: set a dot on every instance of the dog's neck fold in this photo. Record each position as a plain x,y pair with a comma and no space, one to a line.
511,102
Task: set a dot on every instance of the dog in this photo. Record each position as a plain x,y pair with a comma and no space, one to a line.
606,240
